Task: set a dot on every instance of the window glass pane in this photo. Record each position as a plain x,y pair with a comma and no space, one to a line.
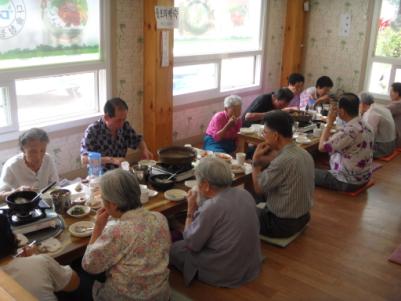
194,78
379,78
4,107
397,77
388,42
58,98
237,73
217,26
34,33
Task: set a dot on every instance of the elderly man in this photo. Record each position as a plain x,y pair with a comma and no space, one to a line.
350,149
283,173
395,109
381,122
265,103
112,135
221,237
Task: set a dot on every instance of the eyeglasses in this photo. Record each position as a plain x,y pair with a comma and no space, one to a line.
267,131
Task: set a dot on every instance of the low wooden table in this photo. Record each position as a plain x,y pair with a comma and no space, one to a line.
254,138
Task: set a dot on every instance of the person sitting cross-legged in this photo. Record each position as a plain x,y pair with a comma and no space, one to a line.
264,103
283,174
221,243
395,109
380,120
350,148
221,133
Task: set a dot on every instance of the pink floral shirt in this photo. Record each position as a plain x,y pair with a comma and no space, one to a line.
134,253
351,152
218,121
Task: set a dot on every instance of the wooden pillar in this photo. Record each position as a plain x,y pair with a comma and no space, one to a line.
158,82
293,39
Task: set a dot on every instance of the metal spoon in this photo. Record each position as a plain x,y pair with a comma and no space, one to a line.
43,191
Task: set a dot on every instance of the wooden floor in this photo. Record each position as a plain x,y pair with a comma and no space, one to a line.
342,255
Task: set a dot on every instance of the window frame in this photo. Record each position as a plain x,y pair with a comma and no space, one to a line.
371,58
8,78
259,55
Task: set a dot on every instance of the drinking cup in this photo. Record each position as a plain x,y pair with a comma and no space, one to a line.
240,157
125,165
144,193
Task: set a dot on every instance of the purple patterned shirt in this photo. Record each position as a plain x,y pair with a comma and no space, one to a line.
98,138
351,152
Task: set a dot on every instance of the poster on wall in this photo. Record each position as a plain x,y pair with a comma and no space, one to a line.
46,32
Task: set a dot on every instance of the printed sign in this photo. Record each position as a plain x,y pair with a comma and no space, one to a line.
166,17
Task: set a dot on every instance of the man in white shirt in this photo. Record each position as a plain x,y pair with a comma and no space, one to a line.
380,120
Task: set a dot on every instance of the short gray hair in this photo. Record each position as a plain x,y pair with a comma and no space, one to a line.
215,171
32,134
366,98
232,100
121,187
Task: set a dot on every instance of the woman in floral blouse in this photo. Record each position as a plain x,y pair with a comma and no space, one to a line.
134,251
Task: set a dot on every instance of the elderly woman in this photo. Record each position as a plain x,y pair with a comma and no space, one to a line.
134,250
221,134
33,168
221,238
40,274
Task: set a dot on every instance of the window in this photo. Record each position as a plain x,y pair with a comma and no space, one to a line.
384,63
53,70
217,48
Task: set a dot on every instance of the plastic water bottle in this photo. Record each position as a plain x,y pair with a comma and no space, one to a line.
95,164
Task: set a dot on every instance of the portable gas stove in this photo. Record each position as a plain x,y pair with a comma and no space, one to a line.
183,172
308,127
39,218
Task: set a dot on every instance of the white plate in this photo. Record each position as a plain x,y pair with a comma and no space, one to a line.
50,245
175,194
224,156
247,130
152,193
81,224
96,204
236,168
79,201
148,163
303,141
190,183
86,210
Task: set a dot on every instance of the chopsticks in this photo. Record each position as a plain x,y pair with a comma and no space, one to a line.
23,248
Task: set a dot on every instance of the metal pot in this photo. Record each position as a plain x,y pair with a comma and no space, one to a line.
16,204
176,155
301,116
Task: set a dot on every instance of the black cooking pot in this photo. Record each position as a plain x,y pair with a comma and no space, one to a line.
21,201
176,155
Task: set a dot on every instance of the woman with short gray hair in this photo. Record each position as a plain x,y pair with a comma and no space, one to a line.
134,250
221,238
32,169
221,134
